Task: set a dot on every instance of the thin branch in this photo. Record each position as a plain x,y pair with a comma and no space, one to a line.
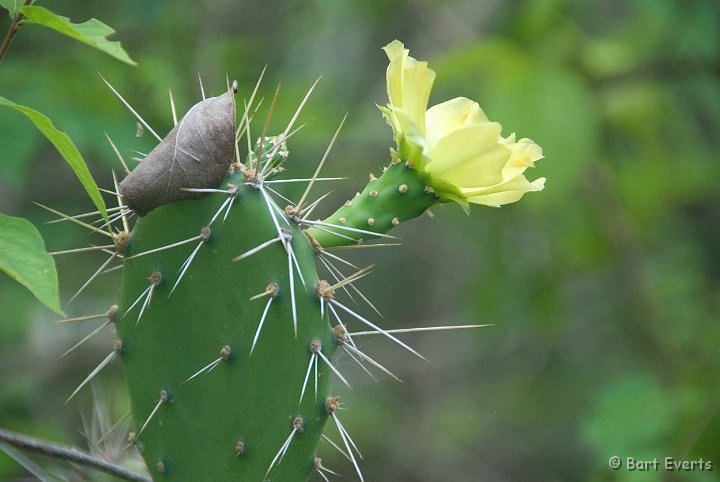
14,27
70,454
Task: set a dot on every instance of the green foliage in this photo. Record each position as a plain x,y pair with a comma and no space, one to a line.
12,6
632,417
92,32
65,147
18,145
247,398
23,258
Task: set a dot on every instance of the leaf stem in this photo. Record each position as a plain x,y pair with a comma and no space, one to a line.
14,27
70,454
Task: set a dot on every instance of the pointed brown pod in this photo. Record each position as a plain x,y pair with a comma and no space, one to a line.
197,153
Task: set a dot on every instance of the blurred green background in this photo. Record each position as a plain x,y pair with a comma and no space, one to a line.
603,290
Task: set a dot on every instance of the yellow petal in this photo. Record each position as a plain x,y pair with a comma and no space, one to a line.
505,193
417,84
441,119
524,154
469,157
409,83
397,53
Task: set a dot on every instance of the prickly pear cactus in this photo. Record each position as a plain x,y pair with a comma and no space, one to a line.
225,330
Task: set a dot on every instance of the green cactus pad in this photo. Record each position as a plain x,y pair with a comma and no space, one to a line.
396,196
227,423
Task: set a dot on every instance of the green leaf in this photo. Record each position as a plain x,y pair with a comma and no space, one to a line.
92,32
12,6
66,148
24,259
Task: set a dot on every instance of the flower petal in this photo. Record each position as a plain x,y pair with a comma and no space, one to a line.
524,154
443,118
417,84
469,157
397,53
505,193
409,83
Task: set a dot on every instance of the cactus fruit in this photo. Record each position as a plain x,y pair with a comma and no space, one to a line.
396,196
224,328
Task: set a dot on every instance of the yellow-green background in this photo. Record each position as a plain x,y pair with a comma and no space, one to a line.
603,289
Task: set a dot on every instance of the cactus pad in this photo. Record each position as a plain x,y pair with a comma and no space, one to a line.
228,421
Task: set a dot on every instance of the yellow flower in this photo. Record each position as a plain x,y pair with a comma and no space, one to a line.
453,146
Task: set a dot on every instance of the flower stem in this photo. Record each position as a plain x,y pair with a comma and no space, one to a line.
14,27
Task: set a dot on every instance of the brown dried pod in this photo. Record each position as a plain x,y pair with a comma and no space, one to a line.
197,153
